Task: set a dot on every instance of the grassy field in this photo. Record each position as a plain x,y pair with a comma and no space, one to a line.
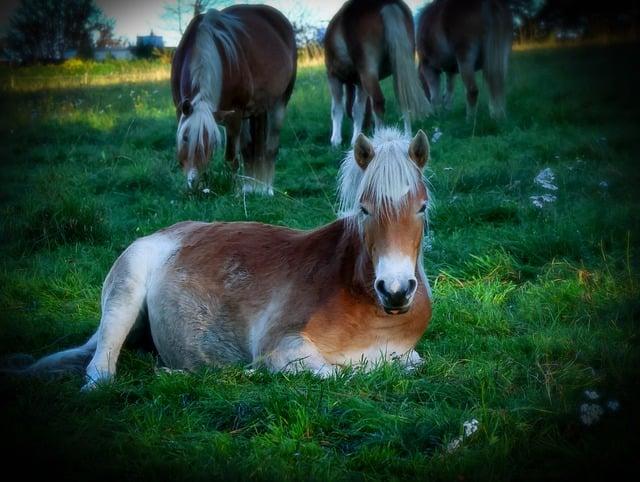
535,326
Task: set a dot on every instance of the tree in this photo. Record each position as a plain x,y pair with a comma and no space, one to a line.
42,30
106,37
178,14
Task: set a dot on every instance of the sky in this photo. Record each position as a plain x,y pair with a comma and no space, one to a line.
139,17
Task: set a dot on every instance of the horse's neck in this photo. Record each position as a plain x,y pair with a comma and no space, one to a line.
341,247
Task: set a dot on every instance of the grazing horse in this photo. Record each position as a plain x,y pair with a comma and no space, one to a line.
237,67
365,42
465,36
350,292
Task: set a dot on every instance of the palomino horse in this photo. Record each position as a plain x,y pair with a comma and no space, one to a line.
350,292
365,42
237,67
465,36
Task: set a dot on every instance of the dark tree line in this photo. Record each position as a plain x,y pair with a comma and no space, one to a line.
539,18
42,30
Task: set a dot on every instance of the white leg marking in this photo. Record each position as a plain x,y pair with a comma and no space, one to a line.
359,109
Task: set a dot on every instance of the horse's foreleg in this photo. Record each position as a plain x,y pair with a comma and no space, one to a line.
123,303
254,155
466,66
296,353
275,119
337,110
233,125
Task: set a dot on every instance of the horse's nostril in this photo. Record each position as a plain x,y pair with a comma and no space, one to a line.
412,286
380,286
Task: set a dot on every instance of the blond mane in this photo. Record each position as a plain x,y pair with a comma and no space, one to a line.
206,78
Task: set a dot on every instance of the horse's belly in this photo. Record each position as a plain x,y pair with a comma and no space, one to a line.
191,329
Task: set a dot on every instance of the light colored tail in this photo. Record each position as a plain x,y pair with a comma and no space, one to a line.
409,91
497,46
73,360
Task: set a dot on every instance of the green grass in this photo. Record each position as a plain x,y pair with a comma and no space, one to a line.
532,306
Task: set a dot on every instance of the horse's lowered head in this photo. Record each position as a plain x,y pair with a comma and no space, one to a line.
387,198
198,136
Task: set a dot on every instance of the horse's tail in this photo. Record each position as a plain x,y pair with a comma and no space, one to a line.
497,46
409,92
72,360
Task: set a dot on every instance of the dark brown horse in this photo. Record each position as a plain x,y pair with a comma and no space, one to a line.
465,36
365,42
237,67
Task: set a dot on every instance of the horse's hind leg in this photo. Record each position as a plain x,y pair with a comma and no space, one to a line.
496,92
337,110
123,304
431,77
466,66
371,86
451,85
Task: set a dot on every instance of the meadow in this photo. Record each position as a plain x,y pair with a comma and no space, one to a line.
532,354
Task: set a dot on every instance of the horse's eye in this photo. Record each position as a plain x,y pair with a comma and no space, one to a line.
364,211
185,138
422,209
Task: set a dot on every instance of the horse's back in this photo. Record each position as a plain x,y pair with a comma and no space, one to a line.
267,44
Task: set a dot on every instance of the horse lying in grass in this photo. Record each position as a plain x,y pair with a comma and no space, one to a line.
236,67
365,42
464,36
351,292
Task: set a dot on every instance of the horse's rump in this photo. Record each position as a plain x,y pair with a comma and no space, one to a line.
465,36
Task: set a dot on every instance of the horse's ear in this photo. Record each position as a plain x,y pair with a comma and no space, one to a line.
419,149
363,151
187,108
222,115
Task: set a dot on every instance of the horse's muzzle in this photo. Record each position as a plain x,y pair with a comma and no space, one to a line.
396,299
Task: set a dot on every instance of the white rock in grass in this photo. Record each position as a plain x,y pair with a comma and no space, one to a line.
590,413
206,190
470,427
454,444
603,184
437,134
591,394
613,405
540,201
546,179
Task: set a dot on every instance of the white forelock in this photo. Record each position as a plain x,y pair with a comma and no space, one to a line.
388,179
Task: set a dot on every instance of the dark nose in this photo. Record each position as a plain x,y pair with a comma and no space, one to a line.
398,293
